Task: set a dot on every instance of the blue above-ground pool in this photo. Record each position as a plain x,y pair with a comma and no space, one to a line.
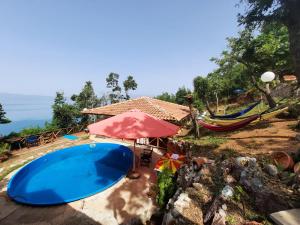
70,174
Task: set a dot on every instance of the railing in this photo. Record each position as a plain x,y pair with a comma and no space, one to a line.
44,137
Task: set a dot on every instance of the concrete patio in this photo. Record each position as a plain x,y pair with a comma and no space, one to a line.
124,201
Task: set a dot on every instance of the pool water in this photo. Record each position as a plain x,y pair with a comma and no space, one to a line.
70,174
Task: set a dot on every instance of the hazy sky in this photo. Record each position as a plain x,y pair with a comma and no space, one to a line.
50,45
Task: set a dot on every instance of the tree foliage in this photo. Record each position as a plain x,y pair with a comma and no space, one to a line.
181,95
258,13
112,82
165,96
248,56
64,114
86,99
129,84
3,118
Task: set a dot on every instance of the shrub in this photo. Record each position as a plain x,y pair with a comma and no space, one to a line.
166,187
31,131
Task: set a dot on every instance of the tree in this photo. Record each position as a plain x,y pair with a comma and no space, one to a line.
216,85
129,84
253,54
112,81
201,88
193,114
64,114
86,99
3,118
165,96
260,12
181,94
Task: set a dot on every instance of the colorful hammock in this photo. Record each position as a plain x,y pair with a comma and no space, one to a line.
228,122
237,114
231,127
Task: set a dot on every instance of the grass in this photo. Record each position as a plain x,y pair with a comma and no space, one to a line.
231,220
11,169
213,141
258,109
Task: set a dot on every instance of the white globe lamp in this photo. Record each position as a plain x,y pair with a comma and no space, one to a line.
267,76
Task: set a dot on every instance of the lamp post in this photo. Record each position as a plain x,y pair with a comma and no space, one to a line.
267,77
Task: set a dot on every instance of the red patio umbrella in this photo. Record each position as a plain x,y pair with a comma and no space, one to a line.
133,125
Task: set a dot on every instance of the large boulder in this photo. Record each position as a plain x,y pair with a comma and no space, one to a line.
188,211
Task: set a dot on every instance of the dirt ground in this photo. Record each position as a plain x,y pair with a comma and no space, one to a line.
266,137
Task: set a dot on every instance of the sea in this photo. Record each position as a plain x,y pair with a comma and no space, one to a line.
25,111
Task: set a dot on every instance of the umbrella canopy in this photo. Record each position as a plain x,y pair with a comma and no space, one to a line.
133,125
170,161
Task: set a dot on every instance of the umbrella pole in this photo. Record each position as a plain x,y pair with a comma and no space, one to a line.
134,156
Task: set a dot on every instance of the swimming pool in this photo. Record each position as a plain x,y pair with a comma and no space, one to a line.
70,174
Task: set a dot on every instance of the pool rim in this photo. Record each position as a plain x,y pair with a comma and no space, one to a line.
73,199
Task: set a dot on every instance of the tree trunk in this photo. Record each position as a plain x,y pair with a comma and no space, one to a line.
217,101
207,106
292,9
267,93
194,120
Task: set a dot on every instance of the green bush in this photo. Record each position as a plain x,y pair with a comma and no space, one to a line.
166,187
37,130
31,131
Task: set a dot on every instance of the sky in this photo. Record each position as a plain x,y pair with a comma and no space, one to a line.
57,45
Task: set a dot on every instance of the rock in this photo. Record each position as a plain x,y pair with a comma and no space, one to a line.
224,207
227,192
167,220
271,170
257,183
183,201
252,162
200,193
219,218
244,161
198,186
186,209
198,162
229,179
297,137
185,176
